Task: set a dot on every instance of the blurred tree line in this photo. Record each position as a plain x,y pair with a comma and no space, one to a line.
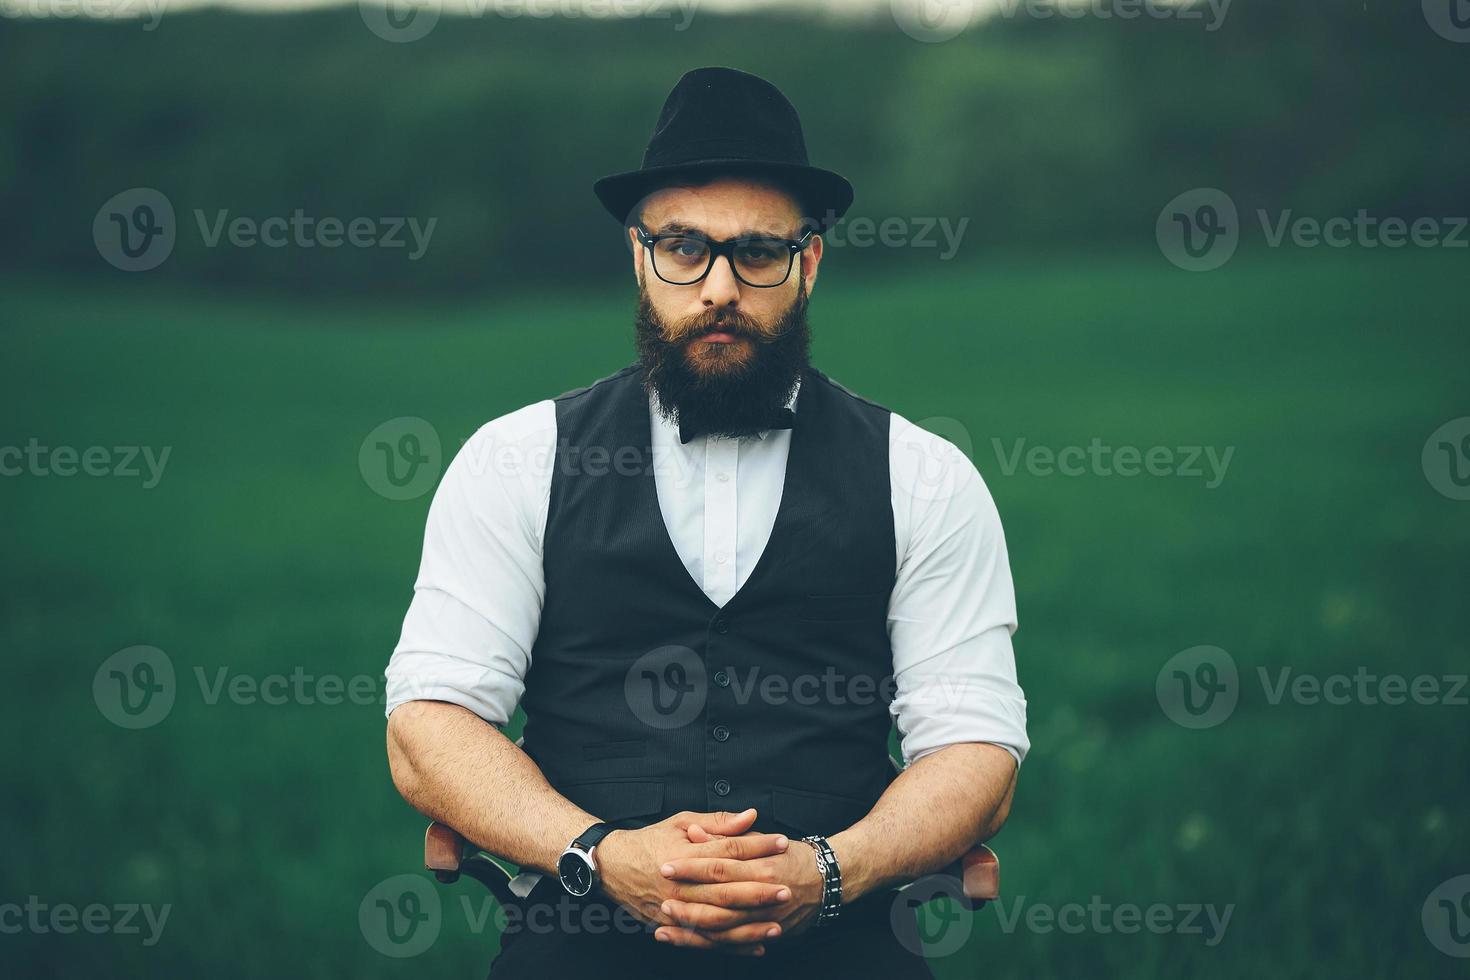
1050,136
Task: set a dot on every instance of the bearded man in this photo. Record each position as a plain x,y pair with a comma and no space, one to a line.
713,580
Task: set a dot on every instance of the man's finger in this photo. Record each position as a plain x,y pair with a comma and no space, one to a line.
715,869
689,937
721,822
748,846
712,918
733,894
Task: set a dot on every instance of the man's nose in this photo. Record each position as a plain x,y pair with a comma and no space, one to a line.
720,287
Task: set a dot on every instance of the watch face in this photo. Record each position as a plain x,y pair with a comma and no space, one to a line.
575,872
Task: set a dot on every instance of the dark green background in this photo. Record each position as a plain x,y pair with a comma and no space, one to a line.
264,550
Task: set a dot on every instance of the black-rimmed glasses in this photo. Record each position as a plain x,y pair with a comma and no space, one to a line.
685,258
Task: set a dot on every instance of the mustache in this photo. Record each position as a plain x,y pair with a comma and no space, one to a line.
733,322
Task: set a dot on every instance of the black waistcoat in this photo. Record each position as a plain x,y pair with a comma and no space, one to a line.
644,698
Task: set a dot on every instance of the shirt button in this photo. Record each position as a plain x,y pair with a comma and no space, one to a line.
719,558
722,626
721,733
723,477
722,679
722,787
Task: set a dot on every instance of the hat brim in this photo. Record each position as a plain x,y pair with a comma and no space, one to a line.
824,196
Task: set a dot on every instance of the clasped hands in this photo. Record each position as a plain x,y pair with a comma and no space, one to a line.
706,881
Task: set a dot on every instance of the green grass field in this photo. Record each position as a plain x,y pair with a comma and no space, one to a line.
263,550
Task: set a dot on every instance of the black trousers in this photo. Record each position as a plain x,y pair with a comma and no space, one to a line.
552,936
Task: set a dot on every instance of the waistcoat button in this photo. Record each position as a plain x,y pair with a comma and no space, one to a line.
721,733
722,679
722,625
722,787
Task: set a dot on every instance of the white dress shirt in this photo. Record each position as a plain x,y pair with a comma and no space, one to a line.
469,632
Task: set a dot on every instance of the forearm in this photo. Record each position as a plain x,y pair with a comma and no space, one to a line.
936,810
453,767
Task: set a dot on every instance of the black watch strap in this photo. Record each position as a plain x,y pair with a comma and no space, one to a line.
592,836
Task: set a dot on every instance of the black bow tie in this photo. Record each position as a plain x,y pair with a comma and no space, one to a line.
780,420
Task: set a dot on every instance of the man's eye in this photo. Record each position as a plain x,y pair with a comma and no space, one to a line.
758,252
684,248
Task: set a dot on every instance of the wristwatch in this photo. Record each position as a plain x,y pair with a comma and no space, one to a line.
577,866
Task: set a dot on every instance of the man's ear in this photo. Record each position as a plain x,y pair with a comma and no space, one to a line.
810,260
636,247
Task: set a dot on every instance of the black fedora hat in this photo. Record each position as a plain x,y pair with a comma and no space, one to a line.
721,120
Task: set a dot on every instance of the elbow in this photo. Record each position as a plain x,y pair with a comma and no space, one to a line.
400,762
1002,811
998,818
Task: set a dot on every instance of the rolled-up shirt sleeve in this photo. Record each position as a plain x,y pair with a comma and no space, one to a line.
476,605
953,608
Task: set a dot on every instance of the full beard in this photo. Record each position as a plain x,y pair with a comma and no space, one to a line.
722,389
